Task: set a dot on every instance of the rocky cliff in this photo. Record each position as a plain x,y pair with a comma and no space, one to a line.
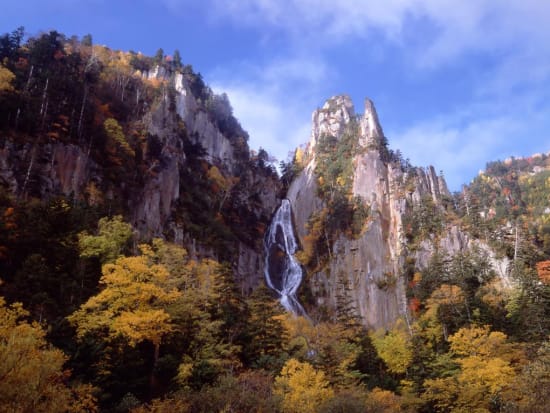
189,176
120,133
369,267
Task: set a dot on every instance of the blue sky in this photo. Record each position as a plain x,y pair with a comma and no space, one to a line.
456,83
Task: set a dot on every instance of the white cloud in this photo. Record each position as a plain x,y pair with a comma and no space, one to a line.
261,115
273,101
270,126
461,25
430,33
460,143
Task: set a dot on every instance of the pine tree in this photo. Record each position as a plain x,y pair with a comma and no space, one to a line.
346,314
86,40
265,331
159,57
176,60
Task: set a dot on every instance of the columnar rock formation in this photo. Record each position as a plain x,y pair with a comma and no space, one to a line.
372,264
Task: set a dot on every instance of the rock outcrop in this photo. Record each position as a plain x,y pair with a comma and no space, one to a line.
199,126
56,169
456,241
332,118
176,120
371,265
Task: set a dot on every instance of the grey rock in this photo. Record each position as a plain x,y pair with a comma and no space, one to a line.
373,264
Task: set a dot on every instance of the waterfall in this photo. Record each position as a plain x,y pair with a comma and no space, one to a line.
283,273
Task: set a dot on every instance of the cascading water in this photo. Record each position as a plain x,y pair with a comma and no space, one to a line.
282,271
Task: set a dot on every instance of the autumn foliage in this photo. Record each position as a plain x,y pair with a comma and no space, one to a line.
98,314
543,271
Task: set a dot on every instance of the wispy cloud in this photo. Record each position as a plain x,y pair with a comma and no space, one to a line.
270,127
458,26
460,143
273,100
455,148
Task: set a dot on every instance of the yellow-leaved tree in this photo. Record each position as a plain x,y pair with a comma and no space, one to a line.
330,346
394,347
116,134
444,304
6,79
113,236
486,361
201,315
221,185
299,157
32,376
382,401
131,303
301,388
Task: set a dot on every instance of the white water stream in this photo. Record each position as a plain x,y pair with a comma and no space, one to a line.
283,273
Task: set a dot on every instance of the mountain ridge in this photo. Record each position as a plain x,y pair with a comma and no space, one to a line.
133,231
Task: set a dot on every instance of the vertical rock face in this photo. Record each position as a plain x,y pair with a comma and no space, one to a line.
7,175
250,260
153,212
456,241
427,182
201,130
371,264
154,208
332,118
371,131
150,201
153,205
58,169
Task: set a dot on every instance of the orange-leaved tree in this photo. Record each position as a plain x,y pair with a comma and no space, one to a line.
543,271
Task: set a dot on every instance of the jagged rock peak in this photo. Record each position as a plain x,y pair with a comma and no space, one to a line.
371,131
336,114
332,118
339,102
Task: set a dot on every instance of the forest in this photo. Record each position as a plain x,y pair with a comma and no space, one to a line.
96,316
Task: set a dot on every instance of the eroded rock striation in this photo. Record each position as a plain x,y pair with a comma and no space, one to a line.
370,266
183,171
184,121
